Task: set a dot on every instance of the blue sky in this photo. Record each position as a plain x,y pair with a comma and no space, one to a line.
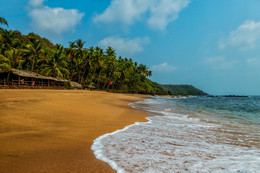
211,44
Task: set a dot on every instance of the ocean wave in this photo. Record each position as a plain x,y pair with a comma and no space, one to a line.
175,142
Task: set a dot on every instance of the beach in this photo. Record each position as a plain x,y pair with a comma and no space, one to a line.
53,130
188,134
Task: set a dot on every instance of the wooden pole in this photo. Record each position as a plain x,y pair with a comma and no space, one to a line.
12,81
48,82
4,81
19,80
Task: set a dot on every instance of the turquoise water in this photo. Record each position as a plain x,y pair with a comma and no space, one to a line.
245,109
195,134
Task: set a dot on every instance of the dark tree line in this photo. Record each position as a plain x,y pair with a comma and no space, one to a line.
88,66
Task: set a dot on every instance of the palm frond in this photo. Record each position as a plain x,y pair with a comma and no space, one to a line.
3,21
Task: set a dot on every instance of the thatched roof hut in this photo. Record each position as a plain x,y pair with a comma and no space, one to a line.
36,76
76,85
29,74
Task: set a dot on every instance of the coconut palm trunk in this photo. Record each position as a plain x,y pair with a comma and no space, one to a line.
8,77
93,76
109,78
99,75
82,76
33,63
79,77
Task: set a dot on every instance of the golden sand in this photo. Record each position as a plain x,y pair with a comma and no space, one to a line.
53,130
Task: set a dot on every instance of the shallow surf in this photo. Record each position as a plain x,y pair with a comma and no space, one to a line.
197,134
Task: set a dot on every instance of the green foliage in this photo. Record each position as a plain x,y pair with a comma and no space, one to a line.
182,90
88,66
57,64
45,42
3,21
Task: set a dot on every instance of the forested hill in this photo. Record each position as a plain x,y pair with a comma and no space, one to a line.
182,90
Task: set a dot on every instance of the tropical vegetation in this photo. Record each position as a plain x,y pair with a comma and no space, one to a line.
91,66
182,90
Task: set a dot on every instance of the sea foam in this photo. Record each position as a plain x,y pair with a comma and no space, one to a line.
173,142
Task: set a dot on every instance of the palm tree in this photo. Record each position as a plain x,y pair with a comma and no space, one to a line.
120,72
3,21
9,40
144,70
6,61
96,60
72,47
34,53
9,60
79,44
100,63
57,66
111,62
77,57
87,66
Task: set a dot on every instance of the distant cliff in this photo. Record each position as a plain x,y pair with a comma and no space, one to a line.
182,90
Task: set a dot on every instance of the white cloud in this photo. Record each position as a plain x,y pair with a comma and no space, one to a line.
53,20
157,13
165,11
36,3
253,61
164,67
125,11
124,46
245,37
219,63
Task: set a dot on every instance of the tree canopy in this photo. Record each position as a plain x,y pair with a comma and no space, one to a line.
92,66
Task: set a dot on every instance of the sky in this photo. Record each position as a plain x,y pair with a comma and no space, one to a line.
211,44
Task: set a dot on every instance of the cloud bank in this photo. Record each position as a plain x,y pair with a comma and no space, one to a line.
164,67
36,3
124,46
52,20
245,37
219,63
157,13
253,61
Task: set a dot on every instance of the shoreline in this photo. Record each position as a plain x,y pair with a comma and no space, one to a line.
53,130
159,144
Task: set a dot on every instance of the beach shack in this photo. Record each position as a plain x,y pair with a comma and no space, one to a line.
26,79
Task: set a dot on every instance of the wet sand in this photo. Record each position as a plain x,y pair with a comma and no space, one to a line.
53,130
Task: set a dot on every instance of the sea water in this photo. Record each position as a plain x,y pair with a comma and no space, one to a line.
193,134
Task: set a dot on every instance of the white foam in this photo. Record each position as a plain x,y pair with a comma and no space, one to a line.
175,143
98,148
